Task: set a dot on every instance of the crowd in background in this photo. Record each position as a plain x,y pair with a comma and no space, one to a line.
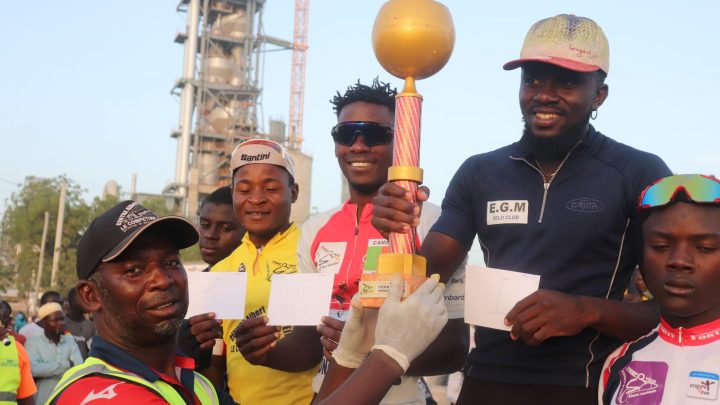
56,340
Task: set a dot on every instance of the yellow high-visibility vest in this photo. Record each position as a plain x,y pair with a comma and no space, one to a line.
204,389
9,372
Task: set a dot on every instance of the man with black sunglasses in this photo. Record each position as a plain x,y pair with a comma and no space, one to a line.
342,241
560,204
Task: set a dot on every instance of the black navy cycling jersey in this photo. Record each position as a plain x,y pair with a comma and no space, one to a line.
577,231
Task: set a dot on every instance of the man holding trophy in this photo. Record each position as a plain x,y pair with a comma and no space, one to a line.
561,334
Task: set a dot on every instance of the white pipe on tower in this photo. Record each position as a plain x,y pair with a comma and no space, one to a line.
186,99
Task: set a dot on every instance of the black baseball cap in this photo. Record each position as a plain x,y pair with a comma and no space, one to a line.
114,230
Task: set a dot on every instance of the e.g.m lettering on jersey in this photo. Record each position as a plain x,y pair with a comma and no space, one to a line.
507,212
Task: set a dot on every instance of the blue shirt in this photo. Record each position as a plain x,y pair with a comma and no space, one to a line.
48,362
579,233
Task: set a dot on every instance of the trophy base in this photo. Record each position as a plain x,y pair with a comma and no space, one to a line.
375,286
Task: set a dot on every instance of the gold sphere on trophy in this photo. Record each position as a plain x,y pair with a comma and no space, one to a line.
413,38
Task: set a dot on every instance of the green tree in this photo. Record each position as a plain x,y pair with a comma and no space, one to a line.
22,224
6,274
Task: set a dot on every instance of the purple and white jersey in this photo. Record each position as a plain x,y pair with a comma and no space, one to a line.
668,366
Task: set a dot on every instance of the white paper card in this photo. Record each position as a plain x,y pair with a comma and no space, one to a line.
221,292
299,299
491,293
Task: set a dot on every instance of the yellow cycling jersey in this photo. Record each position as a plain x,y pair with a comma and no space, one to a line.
250,384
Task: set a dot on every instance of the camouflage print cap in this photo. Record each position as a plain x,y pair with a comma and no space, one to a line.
571,42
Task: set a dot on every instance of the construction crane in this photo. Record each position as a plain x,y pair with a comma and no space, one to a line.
297,81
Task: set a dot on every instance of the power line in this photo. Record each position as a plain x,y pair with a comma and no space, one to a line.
11,182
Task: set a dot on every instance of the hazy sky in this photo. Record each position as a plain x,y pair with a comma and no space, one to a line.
87,85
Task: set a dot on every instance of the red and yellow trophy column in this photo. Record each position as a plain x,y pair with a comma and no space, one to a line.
412,39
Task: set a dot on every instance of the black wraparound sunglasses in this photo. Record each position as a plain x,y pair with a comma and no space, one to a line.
373,133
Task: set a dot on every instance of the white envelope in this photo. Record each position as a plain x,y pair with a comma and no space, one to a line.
299,299
491,293
219,292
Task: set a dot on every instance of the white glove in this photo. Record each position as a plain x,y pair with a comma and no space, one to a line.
405,329
357,335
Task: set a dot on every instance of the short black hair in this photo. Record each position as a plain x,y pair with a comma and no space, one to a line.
51,296
221,196
378,93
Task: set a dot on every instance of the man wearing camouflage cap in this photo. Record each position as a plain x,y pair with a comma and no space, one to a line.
559,203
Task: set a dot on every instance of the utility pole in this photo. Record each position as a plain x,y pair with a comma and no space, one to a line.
133,186
33,299
18,250
58,233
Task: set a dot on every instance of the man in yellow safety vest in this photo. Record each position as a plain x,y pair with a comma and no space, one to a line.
132,280
16,382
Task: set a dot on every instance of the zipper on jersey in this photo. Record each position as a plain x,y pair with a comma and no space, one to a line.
345,280
354,248
546,184
257,257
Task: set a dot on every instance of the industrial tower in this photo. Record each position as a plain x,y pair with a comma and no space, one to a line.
220,89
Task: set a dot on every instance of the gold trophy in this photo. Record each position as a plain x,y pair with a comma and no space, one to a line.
412,39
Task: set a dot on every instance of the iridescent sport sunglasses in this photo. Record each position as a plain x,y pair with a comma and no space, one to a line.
699,188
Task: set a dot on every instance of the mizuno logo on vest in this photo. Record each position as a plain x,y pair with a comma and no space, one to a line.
107,393
254,158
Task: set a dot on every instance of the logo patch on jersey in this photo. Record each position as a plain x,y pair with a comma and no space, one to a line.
702,384
642,382
585,205
507,212
329,256
276,267
374,249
